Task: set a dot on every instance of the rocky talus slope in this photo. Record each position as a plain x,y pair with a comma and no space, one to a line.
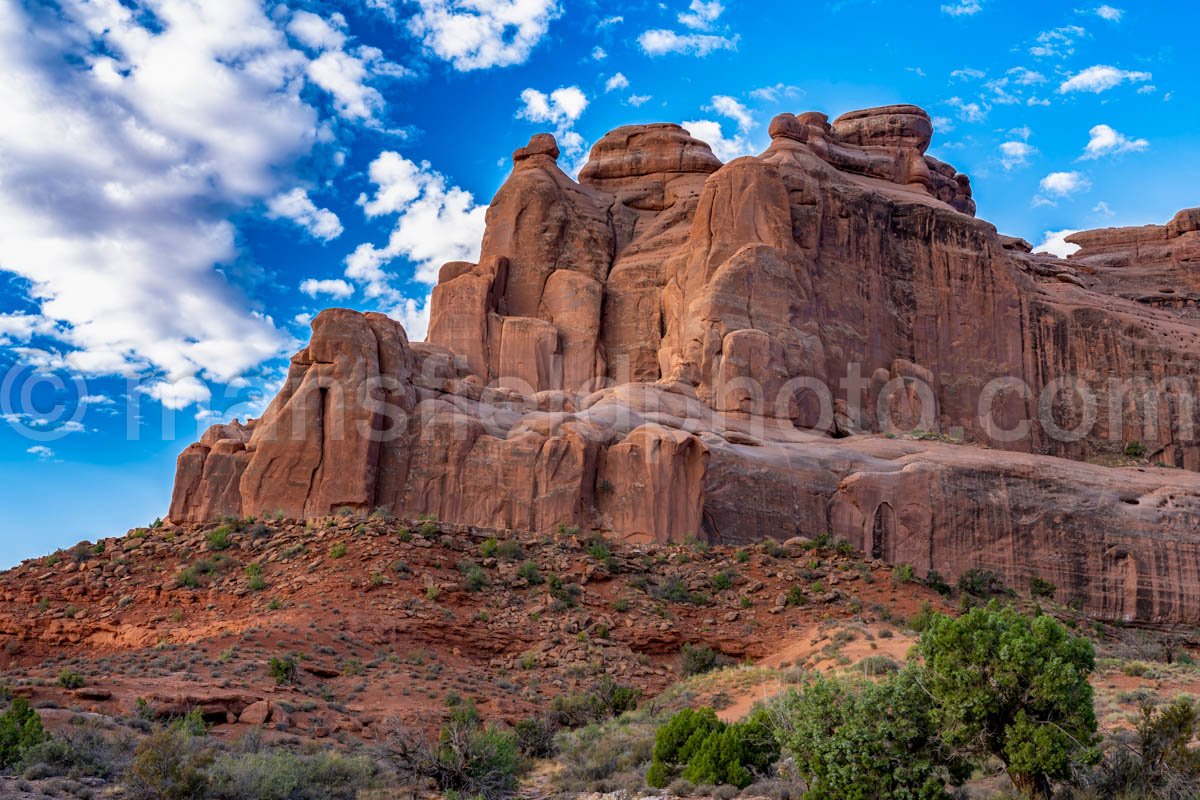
384,620
673,348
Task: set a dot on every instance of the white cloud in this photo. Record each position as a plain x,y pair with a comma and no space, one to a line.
599,53
128,141
967,73
1101,78
608,22
729,107
1109,13
963,8
968,111
661,42
473,34
297,206
1023,133
316,32
726,149
562,107
1014,155
1105,141
336,288
1103,209
773,94
701,15
413,315
1026,77
179,394
18,327
304,318
1065,184
41,451
1055,243
639,100
1057,43
618,81
434,224
1149,88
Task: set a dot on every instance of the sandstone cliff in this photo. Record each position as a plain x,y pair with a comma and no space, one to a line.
672,347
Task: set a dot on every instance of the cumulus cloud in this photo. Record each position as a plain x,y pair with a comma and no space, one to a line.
179,394
1105,141
773,94
701,15
1055,243
1101,78
561,108
639,100
618,81
1057,43
660,42
41,451
963,8
297,206
1015,154
434,223
1109,13
336,288
1026,77
967,73
724,148
968,111
471,34
1064,185
316,32
129,139
730,107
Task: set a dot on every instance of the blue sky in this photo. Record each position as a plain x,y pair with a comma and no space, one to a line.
184,183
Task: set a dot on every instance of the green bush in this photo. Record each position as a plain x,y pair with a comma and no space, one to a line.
282,669
695,659
1014,688
1135,449
606,757
981,583
699,748
1163,763
218,538
903,573
1042,588
169,764
722,580
82,751
865,739
602,700
474,578
70,679
529,571
469,758
282,775
20,729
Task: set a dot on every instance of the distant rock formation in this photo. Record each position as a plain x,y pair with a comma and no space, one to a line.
671,347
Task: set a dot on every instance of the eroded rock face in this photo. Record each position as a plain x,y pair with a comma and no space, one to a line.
672,347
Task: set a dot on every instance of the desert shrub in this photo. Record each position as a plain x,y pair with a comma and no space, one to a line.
489,547
1135,449
278,774
1163,763
876,665
843,548
981,583
566,595
903,573
796,596
695,659
218,538
935,581
606,698
598,549
699,748
169,764
70,679
338,550
79,752
722,580
607,756
675,590
529,571
1039,587
20,729
1015,688
535,737
474,578
469,758
282,669
865,739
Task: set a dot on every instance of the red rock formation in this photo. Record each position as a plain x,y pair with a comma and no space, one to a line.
672,347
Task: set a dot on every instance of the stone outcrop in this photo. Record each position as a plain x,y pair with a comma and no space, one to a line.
674,347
